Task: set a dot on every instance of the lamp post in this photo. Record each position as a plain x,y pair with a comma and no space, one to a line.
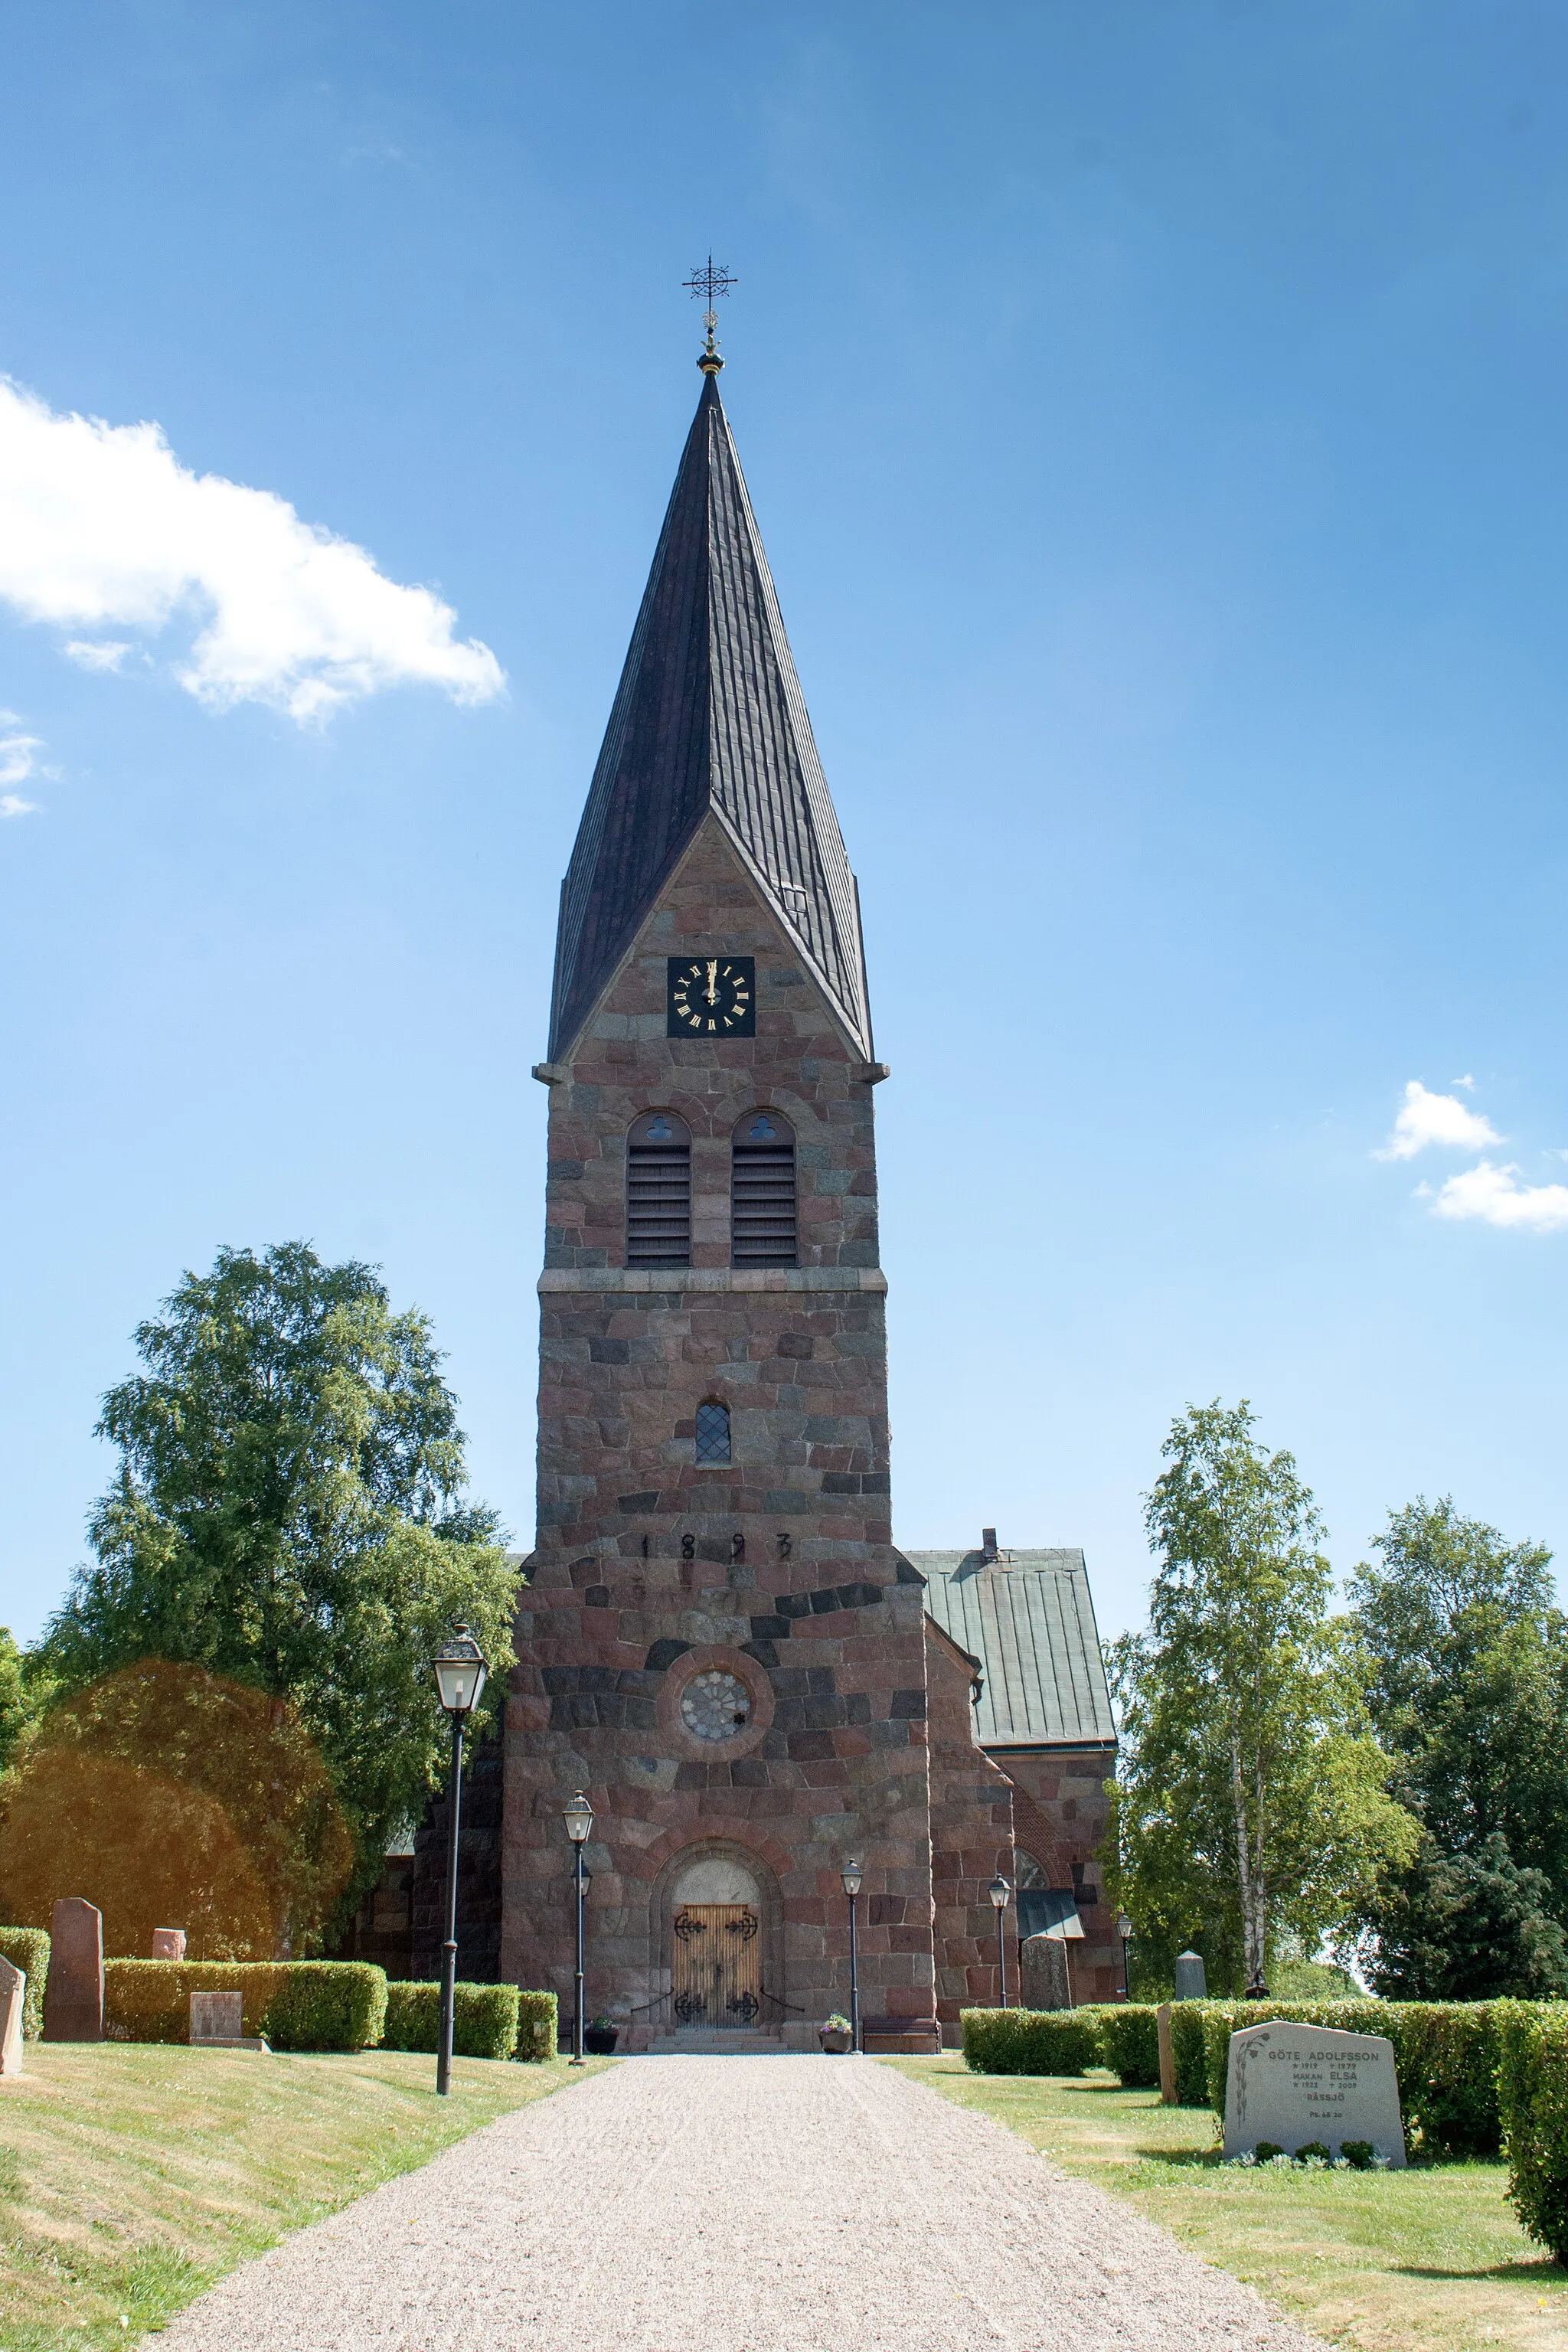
459,1666
850,1875
1124,1930
578,1817
1001,1895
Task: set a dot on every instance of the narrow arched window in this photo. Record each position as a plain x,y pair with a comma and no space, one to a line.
712,1433
762,1191
658,1191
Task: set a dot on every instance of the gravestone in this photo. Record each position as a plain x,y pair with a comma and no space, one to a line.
217,2016
1043,1981
217,2022
1299,2085
73,1992
1167,2055
13,1993
1191,1984
168,1943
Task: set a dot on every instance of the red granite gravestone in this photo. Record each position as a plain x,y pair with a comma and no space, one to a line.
168,1943
73,1996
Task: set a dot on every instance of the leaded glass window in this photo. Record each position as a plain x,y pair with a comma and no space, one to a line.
712,1433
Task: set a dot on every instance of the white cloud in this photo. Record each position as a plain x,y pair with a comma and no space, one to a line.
101,527
1427,1118
1496,1197
1468,1082
18,760
16,752
108,654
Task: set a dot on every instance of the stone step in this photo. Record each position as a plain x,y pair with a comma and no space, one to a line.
715,2040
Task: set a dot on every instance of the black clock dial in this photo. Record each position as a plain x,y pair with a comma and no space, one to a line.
712,996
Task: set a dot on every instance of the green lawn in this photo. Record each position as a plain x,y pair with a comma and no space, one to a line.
1387,2261
132,2176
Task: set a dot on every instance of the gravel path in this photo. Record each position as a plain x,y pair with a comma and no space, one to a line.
765,2204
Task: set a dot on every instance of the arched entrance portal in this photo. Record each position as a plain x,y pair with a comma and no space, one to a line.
720,1952
716,1936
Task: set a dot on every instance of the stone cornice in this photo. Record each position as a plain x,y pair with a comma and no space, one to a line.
713,1278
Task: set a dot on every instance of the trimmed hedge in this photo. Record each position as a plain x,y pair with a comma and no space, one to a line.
327,2005
1445,2058
1189,2057
1129,2034
27,1948
1532,2086
538,2027
296,2004
1029,2040
484,2018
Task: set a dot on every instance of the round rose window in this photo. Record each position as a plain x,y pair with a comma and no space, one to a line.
715,1705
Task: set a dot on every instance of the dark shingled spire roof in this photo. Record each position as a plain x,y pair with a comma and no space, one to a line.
708,716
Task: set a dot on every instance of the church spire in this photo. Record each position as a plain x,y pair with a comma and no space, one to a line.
709,719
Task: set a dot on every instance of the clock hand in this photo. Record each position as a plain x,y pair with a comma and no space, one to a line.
713,981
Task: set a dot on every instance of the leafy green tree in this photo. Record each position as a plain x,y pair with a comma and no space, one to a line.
1469,1693
23,1692
180,1799
1469,1926
289,1515
1252,1808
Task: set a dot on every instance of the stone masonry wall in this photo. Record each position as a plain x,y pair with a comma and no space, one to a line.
972,1835
1060,1815
780,1567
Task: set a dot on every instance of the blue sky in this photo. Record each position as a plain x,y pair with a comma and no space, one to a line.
1154,416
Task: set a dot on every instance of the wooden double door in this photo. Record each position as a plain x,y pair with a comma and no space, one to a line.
716,1964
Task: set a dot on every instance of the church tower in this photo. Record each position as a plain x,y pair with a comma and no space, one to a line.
718,1642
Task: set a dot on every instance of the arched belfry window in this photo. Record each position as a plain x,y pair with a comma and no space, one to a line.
712,1433
762,1191
658,1191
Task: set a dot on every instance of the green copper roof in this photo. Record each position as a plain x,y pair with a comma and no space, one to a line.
1028,1617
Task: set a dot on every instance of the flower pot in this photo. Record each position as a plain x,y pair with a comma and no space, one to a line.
599,2041
835,2040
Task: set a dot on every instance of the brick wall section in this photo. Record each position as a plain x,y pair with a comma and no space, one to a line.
781,1565
972,1833
1060,1815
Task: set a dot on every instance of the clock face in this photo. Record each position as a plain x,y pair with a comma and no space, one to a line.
712,996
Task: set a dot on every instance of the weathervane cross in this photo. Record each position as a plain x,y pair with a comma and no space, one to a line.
709,281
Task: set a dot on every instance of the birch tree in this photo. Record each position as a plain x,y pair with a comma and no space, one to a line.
1252,1805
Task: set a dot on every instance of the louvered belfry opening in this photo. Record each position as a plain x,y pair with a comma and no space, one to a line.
762,1191
658,1191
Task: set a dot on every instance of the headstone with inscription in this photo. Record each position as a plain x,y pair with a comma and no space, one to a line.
217,2016
1191,1984
13,1993
168,1943
1296,2086
1043,1981
73,1992
217,2022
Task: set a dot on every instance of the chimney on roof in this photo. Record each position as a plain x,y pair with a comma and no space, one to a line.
988,1545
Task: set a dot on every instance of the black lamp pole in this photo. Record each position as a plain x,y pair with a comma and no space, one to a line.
1124,1930
1000,1894
851,1877
578,1817
459,1680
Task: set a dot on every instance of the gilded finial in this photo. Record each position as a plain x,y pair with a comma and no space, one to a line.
710,282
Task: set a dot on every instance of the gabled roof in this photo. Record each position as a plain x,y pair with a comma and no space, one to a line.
708,717
1029,1619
